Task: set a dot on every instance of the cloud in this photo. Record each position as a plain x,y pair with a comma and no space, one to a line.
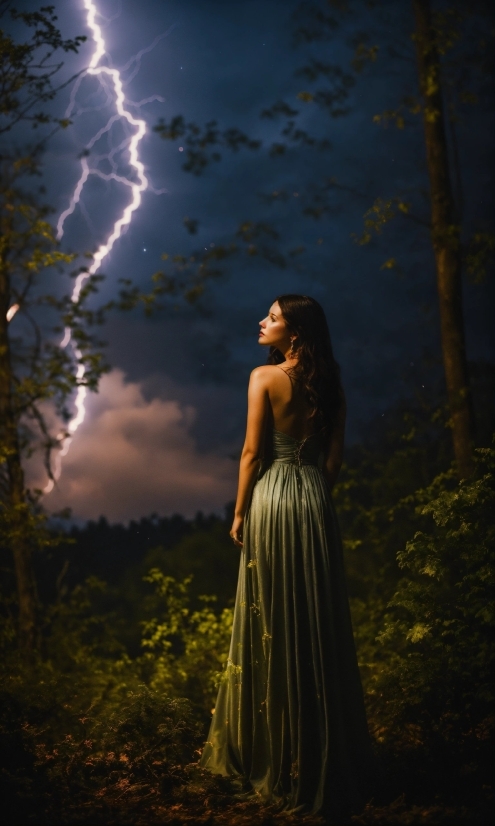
134,456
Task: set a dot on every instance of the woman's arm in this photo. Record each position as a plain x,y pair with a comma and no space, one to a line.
335,452
252,451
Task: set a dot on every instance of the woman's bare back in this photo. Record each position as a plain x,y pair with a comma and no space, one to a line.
289,410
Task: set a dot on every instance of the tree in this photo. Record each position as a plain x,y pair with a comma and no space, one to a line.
445,234
33,369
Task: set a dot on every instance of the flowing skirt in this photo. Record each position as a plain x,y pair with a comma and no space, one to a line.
289,719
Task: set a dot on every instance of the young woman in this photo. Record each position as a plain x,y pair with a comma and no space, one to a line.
289,719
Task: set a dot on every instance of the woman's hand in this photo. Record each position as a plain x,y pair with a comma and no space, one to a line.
236,530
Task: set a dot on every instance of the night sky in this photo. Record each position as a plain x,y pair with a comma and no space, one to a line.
164,433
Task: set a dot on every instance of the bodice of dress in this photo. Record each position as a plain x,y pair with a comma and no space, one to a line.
289,450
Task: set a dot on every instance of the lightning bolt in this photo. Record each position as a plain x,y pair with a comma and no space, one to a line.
112,83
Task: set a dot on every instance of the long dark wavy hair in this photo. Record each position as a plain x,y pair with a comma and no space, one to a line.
316,371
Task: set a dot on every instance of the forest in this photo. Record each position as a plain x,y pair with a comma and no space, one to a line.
114,635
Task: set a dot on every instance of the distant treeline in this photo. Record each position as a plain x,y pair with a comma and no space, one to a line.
105,550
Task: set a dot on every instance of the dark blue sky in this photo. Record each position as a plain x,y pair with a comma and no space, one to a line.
228,61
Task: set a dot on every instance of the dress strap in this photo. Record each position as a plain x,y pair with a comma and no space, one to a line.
285,371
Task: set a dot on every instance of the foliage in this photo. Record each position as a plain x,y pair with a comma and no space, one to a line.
188,647
95,733
36,377
83,734
434,687
208,555
126,756
28,68
132,756
403,451
198,142
419,553
42,370
478,256
88,731
80,662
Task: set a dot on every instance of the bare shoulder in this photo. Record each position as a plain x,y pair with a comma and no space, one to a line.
264,372
264,376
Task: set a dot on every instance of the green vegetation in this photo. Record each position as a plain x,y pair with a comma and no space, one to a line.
103,723
428,653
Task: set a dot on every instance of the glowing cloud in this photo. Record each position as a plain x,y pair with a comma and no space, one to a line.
150,461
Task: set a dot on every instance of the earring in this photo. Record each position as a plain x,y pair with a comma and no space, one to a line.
291,351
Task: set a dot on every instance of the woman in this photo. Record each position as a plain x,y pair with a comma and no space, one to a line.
289,719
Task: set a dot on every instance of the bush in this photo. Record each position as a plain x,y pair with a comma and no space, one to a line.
83,738
125,760
186,649
434,687
129,760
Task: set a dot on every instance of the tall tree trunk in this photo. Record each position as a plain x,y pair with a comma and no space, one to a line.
15,503
446,240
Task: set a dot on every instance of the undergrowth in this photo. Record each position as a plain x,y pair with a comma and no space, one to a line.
93,735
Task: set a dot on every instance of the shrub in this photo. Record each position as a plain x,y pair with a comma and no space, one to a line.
83,740
186,649
128,760
434,688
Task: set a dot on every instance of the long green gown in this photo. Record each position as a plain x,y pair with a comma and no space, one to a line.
289,720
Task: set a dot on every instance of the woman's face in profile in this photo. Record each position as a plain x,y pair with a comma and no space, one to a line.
273,329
